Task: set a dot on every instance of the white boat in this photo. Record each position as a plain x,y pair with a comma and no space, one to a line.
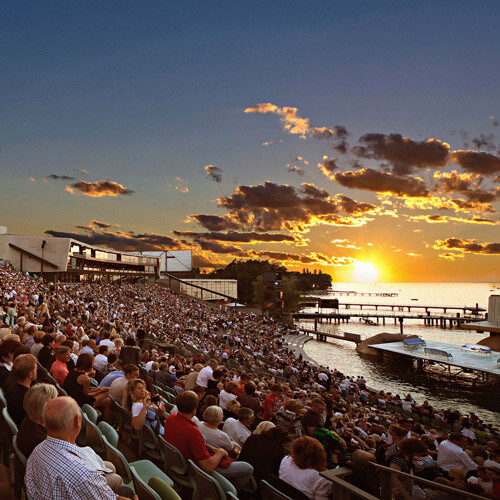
476,348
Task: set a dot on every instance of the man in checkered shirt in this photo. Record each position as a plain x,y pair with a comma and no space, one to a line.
58,469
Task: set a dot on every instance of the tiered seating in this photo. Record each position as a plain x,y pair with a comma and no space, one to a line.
209,486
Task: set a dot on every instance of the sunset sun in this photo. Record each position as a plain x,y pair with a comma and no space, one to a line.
365,273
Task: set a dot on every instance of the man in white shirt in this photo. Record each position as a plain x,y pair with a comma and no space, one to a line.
88,347
106,340
238,430
468,432
118,386
451,454
206,373
58,468
101,360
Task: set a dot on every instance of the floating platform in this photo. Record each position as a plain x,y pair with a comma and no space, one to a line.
464,360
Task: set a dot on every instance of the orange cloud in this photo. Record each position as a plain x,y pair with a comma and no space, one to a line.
270,143
214,173
294,124
451,256
180,186
468,246
99,188
383,182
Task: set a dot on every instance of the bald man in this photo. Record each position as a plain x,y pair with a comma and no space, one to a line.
58,469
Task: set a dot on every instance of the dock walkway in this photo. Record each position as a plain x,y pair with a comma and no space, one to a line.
460,359
344,316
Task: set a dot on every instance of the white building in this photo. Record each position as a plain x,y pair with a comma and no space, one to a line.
69,260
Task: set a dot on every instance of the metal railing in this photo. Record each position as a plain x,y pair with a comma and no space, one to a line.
394,485
399,485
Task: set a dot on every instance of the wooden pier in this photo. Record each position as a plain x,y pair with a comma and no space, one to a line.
380,317
475,310
323,336
362,294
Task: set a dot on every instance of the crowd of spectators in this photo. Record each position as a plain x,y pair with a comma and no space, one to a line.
246,405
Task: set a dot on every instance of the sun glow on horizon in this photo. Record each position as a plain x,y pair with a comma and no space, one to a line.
365,272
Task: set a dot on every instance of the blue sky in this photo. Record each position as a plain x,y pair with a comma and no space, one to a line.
146,93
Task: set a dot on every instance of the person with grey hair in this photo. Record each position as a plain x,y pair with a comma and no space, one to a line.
238,430
58,469
32,432
209,428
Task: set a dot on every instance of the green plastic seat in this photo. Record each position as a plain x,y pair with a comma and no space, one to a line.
269,492
125,429
90,412
174,463
61,391
165,491
8,430
208,486
148,443
110,433
144,468
11,425
143,491
275,488
19,468
93,437
3,401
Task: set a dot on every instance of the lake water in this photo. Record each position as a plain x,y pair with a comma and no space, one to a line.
485,402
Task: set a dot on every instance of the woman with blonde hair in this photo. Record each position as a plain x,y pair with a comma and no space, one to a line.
137,400
301,469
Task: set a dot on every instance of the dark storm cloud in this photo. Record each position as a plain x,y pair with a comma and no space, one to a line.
476,162
383,182
435,218
401,152
466,184
215,247
328,166
353,207
285,256
103,225
484,142
216,222
202,261
342,147
280,206
125,242
99,188
241,237
312,258
468,246
55,177
472,206
214,173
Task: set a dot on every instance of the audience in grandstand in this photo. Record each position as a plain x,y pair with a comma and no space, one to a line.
250,376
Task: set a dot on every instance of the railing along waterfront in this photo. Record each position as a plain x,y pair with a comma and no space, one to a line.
390,484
